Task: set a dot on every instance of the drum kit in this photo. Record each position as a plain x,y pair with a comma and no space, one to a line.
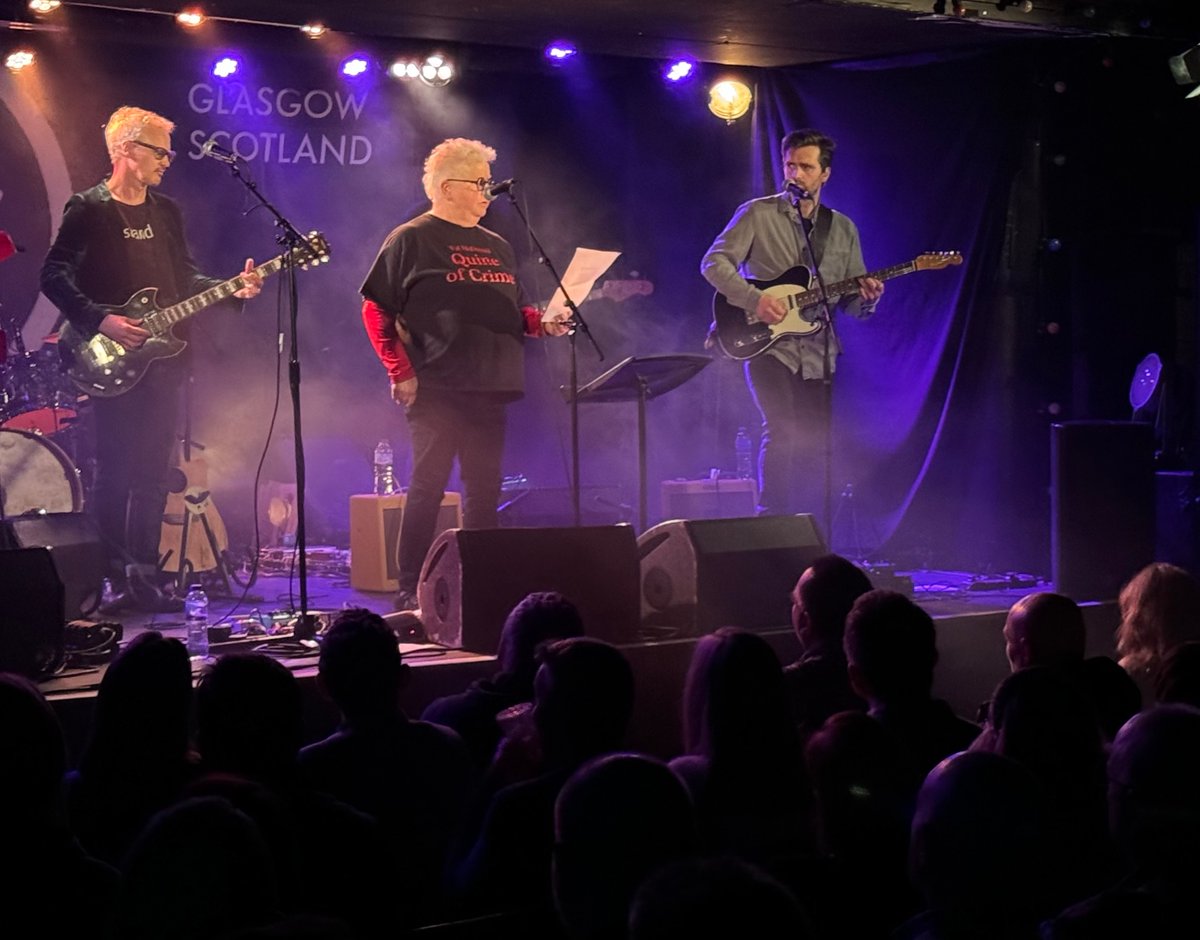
42,419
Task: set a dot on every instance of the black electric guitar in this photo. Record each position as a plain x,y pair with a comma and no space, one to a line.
102,367
742,335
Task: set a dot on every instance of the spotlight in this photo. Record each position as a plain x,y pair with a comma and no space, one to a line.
225,67
21,59
436,71
355,66
680,70
560,51
190,18
404,69
314,30
729,100
42,7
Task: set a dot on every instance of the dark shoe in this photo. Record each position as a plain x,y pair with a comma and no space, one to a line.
115,604
406,600
150,599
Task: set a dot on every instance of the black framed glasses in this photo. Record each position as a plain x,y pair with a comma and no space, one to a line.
160,152
481,184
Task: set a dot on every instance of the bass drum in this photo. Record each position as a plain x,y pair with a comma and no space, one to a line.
36,475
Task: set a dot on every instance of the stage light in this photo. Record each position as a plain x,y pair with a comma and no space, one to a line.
729,100
437,71
224,67
560,51
404,69
42,7
190,18
355,66
680,70
314,30
21,59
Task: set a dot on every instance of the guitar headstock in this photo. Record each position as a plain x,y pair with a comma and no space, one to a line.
619,291
936,260
314,251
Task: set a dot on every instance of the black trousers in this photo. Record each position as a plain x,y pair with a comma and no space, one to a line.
791,460
443,426
135,434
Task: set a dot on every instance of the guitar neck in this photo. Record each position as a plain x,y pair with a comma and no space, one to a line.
177,313
837,289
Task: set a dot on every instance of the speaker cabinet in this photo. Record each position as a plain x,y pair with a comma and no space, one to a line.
472,578
32,620
1101,505
701,574
78,552
375,537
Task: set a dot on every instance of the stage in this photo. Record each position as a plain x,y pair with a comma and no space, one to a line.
968,609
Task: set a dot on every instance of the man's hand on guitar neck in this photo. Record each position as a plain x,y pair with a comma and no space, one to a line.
253,281
870,289
770,309
125,331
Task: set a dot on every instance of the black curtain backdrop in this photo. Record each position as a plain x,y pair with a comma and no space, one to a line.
942,399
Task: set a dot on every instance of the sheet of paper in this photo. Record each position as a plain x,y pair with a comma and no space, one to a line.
586,265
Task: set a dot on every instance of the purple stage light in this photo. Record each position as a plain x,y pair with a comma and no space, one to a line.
225,66
355,66
679,70
560,51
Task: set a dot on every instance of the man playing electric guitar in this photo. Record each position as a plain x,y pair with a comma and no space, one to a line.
762,241
116,239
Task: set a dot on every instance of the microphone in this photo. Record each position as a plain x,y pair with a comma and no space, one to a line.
212,149
499,189
796,191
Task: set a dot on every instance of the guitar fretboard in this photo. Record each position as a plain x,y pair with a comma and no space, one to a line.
162,320
813,298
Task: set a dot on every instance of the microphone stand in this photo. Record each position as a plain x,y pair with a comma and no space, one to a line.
578,324
826,318
305,627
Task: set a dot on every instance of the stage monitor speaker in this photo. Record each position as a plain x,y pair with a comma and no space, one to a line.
472,578
32,621
1101,505
701,574
375,537
79,555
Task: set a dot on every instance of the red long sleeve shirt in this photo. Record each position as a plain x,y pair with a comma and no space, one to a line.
381,331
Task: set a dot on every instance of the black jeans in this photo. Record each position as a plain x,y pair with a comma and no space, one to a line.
445,425
135,433
791,457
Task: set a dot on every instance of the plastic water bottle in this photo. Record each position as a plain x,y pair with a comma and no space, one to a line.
385,480
742,447
195,612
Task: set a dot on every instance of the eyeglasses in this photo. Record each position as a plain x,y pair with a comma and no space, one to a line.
162,153
481,184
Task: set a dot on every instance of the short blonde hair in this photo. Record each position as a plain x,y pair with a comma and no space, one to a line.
450,158
127,122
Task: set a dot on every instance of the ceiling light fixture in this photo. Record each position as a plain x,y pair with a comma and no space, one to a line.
190,18
729,100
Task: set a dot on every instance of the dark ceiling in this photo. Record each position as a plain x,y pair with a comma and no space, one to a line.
763,33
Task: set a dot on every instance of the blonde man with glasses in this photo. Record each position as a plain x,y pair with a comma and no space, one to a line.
116,239
440,306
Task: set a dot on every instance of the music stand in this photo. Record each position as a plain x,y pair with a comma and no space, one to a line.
640,378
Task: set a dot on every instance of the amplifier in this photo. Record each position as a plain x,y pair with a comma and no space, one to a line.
709,499
375,537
